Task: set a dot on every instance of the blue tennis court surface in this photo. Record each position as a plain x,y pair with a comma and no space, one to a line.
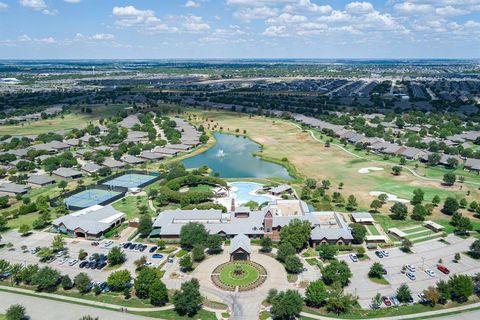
88,198
130,180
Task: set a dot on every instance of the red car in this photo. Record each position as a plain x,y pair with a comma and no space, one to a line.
387,301
443,269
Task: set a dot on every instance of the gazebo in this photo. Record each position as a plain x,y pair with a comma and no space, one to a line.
240,248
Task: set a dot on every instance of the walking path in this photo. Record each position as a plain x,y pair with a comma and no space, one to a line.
413,172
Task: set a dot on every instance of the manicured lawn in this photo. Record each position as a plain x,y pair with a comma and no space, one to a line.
416,229
420,234
249,274
312,261
372,229
381,280
200,187
181,253
386,222
130,205
23,219
433,236
172,315
448,228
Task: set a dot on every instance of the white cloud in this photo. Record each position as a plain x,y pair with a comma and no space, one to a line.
275,31
3,6
256,13
24,38
132,11
413,8
450,11
38,5
308,6
95,37
73,1
191,4
286,18
359,7
194,24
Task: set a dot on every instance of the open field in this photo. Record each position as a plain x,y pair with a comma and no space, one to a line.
282,139
131,206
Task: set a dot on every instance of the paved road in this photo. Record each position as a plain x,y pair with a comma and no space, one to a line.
462,316
45,309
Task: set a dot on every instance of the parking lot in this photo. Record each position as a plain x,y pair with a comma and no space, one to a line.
43,239
425,256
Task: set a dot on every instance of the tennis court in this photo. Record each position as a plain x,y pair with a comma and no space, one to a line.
131,180
90,197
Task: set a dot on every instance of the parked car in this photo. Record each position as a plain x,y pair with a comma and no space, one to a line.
34,250
353,257
95,243
411,276
421,296
153,249
142,248
148,264
443,269
411,268
72,262
410,299
126,245
5,275
62,260
108,243
379,254
101,265
430,272
395,300
387,301
157,256
385,253
83,264
170,259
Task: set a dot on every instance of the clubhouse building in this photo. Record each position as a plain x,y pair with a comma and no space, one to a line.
327,227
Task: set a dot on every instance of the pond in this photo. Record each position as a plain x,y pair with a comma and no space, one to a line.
232,157
246,191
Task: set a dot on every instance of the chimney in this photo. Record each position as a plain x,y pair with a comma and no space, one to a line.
232,208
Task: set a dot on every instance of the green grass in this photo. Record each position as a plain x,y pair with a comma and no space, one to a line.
381,280
172,315
416,229
264,315
312,261
420,234
200,187
23,219
181,253
434,236
372,229
228,277
130,205
386,222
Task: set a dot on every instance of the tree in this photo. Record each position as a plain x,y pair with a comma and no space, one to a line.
461,287
119,280
443,290
293,264
383,197
457,257
375,205
399,211
403,293
198,253
145,225
311,183
406,245
376,270
16,312
449,179
66,282
450,206
417,196
339,302
116,256
24,229
82,282
326,184
193,233
58,243
188,300
316,294
396,170
297,233
419,212
62,184
158,293
214,243
436,200
82,254
284,250
475,249
286,305
46,279
336,271
377,301
463,203
351,203
266,244
186,262
327,252
431,295
464,225
358,232
143,282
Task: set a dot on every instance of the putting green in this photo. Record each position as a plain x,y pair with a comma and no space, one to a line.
248,275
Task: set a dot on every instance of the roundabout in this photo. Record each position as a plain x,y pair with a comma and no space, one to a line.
239,276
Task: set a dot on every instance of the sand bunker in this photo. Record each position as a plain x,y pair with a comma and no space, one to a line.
391,197
369,169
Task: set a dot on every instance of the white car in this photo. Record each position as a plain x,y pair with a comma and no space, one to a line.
72,262
148,264
411,268
33,251
61,253
411,276
108,243
62,260
430,272
385,253
353,257
421,296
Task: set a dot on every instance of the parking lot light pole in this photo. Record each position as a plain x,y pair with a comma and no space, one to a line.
423,263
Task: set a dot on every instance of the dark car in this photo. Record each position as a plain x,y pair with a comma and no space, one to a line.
101,265
5,275
384,271
92,264
153,249
410,299
127,245
142,248
379,253
83,264
157,256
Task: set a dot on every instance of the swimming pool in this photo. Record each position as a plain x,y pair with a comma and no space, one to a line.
244,192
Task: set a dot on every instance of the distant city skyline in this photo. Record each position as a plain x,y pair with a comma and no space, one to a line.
229,29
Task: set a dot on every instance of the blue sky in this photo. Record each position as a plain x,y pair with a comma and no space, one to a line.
138,29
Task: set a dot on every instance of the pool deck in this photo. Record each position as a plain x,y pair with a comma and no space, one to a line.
232,194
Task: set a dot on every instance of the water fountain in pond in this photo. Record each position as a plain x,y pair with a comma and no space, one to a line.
220,153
